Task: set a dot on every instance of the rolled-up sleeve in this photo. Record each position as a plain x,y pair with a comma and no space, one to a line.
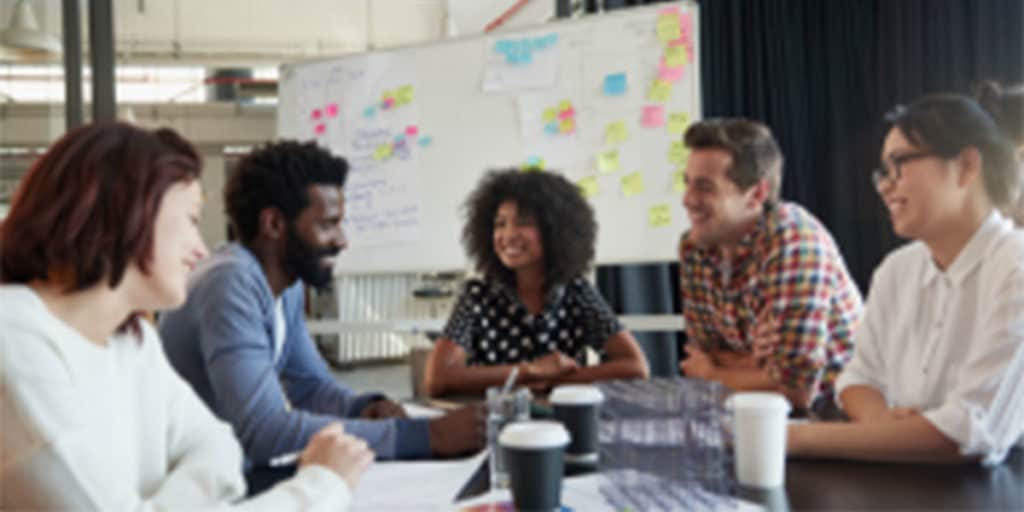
984,413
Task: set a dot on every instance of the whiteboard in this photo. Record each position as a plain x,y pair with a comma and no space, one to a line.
420,125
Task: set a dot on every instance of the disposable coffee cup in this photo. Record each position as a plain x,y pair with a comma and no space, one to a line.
759,438
578,407
534,458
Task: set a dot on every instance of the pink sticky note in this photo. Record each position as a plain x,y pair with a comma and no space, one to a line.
332,110
568,113
653,116
670,74
316,115
389,102
685,25
411,130
321,128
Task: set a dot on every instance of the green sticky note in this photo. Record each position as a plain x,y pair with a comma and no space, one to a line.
660,91
677,123
404,95
550,114
616,132
382,152
564,105
679,181
668,28
675,56
608,161
633,184
659,215
588,186
677,153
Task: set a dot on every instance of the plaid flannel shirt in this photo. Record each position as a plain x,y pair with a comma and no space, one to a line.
788,262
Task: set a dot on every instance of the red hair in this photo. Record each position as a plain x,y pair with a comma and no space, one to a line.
86,209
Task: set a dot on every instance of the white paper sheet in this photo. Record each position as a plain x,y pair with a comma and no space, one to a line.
427,485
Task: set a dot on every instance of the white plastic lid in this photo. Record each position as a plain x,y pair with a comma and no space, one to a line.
534,435
758,403
576,394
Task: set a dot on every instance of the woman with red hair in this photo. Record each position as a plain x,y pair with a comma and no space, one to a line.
104,226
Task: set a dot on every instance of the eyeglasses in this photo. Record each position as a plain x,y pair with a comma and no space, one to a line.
891,172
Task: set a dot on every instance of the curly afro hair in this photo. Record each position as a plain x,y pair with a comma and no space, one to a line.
278,174
566,221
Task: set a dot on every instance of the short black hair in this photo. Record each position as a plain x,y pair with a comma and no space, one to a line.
565,219
278,174
945,124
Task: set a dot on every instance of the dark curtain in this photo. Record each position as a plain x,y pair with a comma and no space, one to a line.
821,73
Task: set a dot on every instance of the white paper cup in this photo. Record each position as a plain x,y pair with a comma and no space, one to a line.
759,438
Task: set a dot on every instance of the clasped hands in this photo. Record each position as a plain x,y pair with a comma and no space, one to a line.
702,364
543,373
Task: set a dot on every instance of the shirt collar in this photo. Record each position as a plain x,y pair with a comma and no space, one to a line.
972,254
744,248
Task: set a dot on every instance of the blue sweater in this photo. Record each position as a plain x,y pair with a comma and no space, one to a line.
222,342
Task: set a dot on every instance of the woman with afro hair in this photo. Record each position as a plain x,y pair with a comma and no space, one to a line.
531,237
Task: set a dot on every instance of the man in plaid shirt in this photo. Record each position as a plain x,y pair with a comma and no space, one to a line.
768,302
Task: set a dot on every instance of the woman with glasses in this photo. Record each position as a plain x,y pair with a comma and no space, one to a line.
938,370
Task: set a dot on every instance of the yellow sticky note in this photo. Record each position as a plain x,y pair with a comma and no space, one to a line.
677,123
550,114
660,91
588,186
675,56
608,162
382,152
564,105
677,153
668,28
633,184
679,181
659,215
616,132
404,95
567,126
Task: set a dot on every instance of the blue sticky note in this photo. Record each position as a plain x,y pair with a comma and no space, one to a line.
400,138
534,160
504,46
551,128
615,84
370,112
551,38
425,140
526,58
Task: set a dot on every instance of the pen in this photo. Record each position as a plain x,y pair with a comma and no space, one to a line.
287,459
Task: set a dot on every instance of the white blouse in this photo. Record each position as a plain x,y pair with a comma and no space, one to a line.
951,344
114,428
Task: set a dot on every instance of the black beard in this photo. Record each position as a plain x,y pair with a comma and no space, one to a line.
303,260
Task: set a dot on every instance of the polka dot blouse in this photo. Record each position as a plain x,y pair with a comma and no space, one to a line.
494,327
